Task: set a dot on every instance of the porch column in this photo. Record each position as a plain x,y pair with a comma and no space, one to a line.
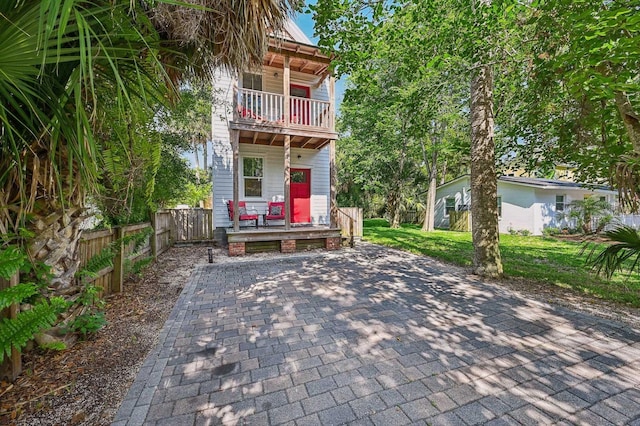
287,182
332,103
333,179
286,82
235,145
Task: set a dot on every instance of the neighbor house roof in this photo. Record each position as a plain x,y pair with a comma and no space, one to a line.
540,183
552,183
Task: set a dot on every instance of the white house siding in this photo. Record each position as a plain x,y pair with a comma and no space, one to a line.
523,206
547,205
273,182
517,207
460,190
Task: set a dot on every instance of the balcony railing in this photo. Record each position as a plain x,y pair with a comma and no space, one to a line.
268,108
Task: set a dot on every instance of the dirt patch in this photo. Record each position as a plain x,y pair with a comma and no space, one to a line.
85,384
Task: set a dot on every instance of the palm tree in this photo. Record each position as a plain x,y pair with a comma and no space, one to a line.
585,210
61,62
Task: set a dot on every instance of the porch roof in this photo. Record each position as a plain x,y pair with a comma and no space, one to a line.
304,58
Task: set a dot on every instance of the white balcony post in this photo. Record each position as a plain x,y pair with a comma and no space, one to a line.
286,81
235,144
332,102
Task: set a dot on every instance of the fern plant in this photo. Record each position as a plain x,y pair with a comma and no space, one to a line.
16,332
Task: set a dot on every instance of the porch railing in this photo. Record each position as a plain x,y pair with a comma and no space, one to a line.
265,107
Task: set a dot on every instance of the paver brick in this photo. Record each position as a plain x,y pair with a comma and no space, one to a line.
304,356
286,413
337,415
318,403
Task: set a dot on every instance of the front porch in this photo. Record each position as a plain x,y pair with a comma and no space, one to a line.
278,238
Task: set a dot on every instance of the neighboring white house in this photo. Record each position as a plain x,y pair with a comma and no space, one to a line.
281,117
523,203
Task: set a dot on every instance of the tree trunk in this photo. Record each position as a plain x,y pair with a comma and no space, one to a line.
484,185
56,244
393,207
205,157
630,119
430,206
195,150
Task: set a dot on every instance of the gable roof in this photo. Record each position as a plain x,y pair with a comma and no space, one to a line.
539,183
294,33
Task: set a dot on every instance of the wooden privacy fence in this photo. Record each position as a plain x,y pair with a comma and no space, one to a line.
166,228
350,222
460,221
192,224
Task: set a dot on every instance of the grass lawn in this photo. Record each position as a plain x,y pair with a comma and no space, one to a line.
534,258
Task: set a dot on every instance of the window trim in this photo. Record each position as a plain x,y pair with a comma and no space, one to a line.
455,205
252,74
564,203
261,178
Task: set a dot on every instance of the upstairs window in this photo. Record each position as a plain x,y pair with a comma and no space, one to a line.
252,173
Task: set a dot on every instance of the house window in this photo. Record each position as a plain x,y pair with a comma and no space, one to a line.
603,198
449,205
252,81
499,206
559,203
252,173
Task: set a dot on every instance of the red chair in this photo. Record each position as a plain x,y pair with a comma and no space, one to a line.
275,211
242,205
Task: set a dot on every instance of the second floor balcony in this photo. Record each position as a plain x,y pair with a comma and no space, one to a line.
283,111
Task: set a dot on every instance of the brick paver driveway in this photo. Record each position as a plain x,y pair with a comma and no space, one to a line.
377,336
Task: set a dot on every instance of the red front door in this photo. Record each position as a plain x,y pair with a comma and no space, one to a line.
300,195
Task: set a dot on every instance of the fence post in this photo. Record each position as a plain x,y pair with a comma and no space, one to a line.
118,263
14,363
154,236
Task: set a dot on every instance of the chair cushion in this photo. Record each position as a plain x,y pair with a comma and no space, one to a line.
275,211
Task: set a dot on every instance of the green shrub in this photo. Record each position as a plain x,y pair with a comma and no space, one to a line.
87,323
551,231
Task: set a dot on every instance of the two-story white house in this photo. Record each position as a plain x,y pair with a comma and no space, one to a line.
276,143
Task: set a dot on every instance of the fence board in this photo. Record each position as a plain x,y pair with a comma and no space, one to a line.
192,224
344,215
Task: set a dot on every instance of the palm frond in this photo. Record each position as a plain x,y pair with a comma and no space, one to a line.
626,246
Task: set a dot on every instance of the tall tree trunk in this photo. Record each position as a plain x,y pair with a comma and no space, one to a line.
195,150
630,119
428,224
484,185
397,187
205,157
443,177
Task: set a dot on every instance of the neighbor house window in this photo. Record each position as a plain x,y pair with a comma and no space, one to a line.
499,206
252,173
559,203
449,205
